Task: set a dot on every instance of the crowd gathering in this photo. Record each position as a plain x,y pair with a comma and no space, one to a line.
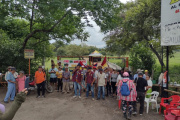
97,81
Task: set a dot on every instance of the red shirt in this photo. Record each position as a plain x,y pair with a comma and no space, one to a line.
78,76
74,76
89,77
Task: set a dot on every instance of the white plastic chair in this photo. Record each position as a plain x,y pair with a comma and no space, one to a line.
152,99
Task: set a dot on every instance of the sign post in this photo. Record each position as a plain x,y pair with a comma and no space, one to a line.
29,54
170,27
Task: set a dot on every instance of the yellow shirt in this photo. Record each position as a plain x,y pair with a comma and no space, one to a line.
59,74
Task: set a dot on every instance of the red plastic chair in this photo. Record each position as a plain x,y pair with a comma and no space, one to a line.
172,105
171,115
175,99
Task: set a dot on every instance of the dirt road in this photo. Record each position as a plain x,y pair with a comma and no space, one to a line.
57,106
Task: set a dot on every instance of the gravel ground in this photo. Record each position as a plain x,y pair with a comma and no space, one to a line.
58,106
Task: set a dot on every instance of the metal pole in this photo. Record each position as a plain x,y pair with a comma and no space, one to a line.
162,60
167,67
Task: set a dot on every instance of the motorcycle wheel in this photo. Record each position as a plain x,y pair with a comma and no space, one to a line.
49,88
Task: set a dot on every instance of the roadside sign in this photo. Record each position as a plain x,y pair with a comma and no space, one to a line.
28,54
170,22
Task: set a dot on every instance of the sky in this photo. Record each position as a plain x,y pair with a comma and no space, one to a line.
96,37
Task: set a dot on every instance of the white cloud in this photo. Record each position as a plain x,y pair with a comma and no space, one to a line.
96,37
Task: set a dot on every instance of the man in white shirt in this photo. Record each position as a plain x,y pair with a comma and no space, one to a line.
101,82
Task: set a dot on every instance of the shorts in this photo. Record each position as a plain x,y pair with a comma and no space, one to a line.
53,80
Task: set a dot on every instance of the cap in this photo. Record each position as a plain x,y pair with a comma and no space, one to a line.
66,64
13,68
139,70
146,71
140,73
89,68
40,67
21,72
9,67
94,67
126,74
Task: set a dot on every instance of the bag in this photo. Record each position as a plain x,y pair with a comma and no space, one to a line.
125,89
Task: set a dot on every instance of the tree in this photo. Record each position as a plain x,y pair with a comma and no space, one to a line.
60,19
141,57
9,48
141,23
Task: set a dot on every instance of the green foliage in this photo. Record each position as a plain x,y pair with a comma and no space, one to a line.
61,19
141,57
11,54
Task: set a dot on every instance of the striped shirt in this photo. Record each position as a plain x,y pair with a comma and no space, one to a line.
132,88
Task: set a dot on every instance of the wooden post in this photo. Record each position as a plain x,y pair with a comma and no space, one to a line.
29,66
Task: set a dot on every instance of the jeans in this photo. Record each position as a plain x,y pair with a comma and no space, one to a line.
141,96
39,87
83,83
10,92
101,88
77,86
89,87
108,87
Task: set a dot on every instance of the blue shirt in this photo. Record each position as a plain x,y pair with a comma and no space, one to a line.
53,75
10,76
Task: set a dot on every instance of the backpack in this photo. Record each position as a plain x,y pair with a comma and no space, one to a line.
125,89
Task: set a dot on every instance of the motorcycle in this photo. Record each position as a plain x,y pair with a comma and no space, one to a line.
30,85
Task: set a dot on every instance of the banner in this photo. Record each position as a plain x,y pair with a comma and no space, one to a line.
170,22
74,63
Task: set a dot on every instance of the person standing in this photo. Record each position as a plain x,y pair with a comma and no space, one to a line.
108,84
53,77
146,73
11,86
114,76
9,70
95,75
83,73
149,87
77,83
66,80
90,82
127,94
21,81
59,78
40,78
101,82
140,83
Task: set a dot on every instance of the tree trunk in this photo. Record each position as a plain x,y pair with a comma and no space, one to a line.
157,55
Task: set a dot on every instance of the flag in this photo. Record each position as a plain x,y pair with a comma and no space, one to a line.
95,65
104,63
80,63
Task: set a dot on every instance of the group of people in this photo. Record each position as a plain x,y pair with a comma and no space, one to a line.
95,80
15,82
